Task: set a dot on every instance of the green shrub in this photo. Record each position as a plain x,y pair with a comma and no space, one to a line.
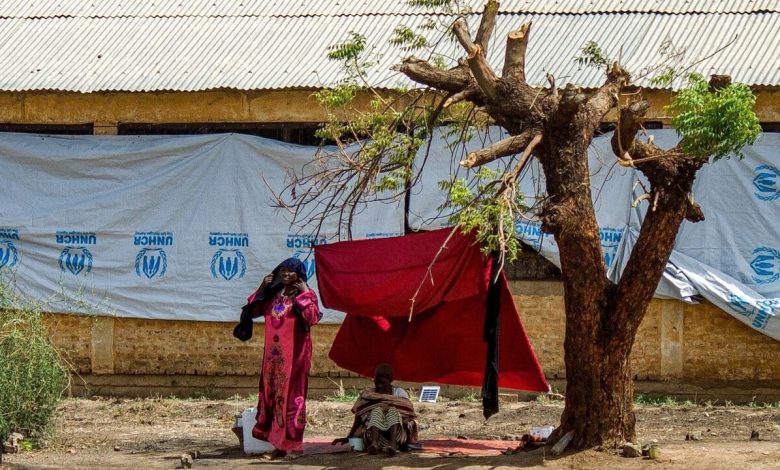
33,375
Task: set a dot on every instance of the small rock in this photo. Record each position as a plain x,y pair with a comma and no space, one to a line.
71,450
462,415
461,436
186,461
13,444
631,450
754,436
116,449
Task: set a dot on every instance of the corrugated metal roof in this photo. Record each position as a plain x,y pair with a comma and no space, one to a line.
153,8
189,53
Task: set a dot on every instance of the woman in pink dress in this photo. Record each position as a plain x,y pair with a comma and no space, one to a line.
290,308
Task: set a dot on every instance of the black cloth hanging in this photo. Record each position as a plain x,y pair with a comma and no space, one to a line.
490,336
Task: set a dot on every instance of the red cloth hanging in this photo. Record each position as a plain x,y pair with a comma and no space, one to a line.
373,282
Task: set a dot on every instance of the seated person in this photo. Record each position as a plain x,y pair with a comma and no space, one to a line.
384,416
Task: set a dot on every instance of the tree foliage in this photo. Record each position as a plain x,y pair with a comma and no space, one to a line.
714,123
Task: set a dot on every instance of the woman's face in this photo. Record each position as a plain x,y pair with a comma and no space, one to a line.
288,277
383,384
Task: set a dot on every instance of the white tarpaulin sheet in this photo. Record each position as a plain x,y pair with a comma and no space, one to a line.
731,259
154,227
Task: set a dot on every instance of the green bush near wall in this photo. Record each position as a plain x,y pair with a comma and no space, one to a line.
33,375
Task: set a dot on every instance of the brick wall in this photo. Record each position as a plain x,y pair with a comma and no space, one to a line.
679,348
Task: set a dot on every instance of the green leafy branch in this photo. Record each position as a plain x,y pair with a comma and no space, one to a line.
714,123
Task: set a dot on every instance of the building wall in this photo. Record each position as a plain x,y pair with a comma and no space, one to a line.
108,109
688,350
682,349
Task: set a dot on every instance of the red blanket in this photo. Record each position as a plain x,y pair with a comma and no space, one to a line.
374,281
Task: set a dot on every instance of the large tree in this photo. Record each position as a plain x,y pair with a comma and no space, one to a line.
555,126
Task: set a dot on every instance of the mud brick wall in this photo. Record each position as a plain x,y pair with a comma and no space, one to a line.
678,347
718,347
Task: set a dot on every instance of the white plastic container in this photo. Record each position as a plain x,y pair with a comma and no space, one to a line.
542,432
356,443
252,445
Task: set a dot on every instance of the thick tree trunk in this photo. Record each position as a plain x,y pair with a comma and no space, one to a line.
599,393
602,318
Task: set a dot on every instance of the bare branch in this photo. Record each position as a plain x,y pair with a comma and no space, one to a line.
524,159
551,81
514,59
503,148
480,69
466,94
453,80
604,98
461,31
487,24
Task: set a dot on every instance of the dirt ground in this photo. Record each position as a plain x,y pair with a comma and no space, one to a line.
154,433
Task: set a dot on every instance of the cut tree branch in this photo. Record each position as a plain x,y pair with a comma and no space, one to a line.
529,149
503,148
480,69
509,179
604,98
453,80
467,94
514,59
487,24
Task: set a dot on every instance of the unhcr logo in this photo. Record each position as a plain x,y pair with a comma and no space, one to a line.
766,183
765,265
75,257
229,262
9,256
760,312
151,261
303,245
531,233
610,239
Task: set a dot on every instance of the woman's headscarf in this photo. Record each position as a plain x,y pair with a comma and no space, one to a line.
295,265
243,330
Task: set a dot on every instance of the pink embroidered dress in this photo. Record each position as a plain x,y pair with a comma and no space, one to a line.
284,375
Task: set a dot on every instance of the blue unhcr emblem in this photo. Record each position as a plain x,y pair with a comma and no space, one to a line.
766,183
151,262
610,239
76,259
760,311
308,263
8,254
228,264
765,265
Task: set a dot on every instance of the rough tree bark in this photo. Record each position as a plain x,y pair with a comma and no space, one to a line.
557,126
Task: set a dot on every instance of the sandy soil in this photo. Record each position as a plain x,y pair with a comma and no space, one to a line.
154,433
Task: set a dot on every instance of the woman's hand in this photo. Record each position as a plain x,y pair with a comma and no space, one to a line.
267,280
300,286
340,440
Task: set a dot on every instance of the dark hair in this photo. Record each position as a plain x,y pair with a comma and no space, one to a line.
384,370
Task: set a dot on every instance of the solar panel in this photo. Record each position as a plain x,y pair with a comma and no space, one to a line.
429,393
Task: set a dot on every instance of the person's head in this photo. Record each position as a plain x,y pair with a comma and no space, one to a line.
383,378
290,270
